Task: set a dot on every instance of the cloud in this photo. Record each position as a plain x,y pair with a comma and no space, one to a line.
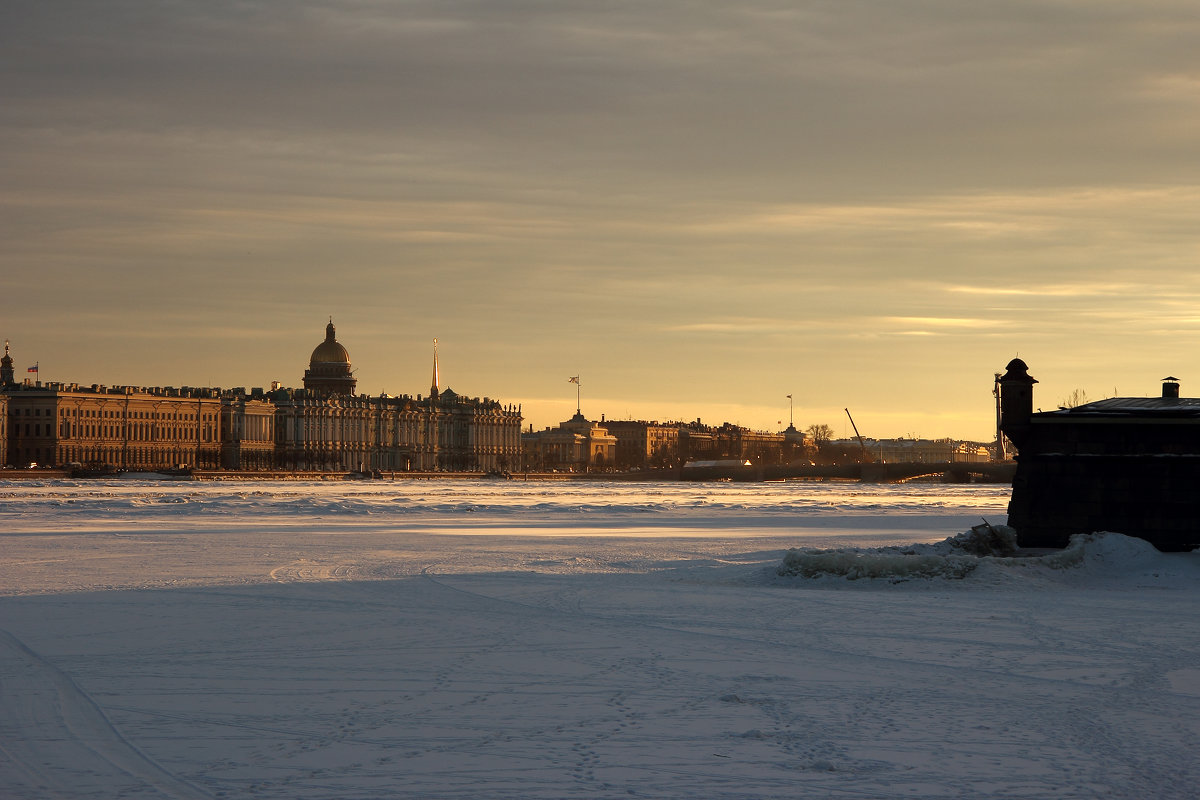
1047,290
939,322
747,326
714,188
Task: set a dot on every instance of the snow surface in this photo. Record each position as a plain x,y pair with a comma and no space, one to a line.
500,639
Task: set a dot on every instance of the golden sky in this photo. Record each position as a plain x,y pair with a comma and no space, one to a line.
698,207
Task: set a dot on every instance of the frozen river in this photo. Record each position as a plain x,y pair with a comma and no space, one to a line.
71,536
478,639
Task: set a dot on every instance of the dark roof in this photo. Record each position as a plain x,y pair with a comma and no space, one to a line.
1135,407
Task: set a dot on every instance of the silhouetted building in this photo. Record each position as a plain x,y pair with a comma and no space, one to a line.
1126,464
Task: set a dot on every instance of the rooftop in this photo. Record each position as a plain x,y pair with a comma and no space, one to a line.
1134,406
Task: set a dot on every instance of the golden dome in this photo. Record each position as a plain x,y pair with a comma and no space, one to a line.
329,351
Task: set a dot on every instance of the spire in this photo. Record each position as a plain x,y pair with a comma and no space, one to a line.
329,337
433,392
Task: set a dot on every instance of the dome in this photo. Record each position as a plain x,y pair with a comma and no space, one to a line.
329,370
329,351
1018,372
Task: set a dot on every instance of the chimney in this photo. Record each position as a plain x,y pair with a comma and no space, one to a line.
1171,387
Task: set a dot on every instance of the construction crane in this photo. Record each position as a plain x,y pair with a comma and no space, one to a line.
861,443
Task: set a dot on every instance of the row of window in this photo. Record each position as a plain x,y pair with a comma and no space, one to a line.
173,416
67,413
142,431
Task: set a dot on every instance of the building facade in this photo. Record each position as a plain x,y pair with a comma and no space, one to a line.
4,460
322,427
576,445
247,431
645,445
699,442
923,451
120,427
325,426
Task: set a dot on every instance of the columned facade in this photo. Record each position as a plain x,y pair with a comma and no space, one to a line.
247,432
113,427
394,434
578,445
323,427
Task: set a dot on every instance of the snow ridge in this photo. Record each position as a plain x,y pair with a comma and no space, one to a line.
1095,554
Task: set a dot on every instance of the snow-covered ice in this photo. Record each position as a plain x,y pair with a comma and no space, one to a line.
481,639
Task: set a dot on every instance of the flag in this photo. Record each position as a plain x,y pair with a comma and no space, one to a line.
789,397
573,380
34,368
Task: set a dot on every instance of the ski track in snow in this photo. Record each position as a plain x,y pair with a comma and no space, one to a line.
55,741
490,640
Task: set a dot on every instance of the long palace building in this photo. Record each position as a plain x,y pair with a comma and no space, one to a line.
323,426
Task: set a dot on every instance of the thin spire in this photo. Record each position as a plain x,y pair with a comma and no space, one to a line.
436,380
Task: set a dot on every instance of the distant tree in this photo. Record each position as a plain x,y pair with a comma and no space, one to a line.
820,434
1076,398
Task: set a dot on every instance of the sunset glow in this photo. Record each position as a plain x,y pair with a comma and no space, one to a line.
700,208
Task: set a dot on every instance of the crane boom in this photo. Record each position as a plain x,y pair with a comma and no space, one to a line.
861,443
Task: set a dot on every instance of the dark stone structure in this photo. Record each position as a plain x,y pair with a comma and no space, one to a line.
1126,464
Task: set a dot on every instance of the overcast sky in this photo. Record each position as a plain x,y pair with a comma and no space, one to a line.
698,207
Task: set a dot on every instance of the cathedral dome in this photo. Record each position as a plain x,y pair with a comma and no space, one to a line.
329,351
329,369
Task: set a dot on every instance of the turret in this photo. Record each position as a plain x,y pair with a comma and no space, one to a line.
1016,401
7,375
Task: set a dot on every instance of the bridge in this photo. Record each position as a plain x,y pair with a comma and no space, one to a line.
899,472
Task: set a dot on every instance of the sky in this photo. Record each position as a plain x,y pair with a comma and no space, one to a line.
697,207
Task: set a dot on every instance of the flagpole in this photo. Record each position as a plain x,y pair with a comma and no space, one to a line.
578,386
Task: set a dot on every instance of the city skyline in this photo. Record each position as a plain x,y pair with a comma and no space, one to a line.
699,209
